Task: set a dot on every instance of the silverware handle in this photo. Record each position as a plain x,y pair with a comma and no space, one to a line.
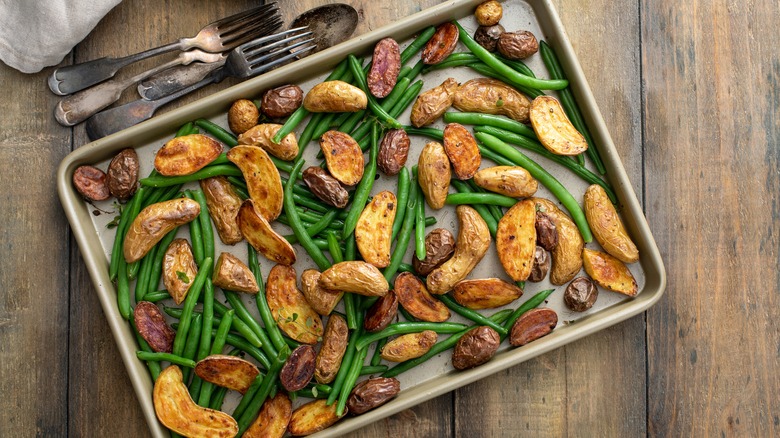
175,79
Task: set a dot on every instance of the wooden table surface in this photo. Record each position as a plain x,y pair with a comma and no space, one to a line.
690,92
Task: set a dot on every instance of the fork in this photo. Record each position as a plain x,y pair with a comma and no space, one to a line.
217,37
245,61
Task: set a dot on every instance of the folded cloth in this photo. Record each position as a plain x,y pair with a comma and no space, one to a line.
38,33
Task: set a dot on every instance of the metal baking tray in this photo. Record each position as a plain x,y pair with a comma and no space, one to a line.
436,376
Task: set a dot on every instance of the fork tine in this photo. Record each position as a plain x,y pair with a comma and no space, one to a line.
258,59
248,33
257,69
251,53
235,17
247,20
268,39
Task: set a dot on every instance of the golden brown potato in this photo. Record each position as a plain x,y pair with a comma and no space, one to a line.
179,269
461,148
223,203
409,346
431,104
289,307
273,418
567,254
416,299
176,410
230,273
322,300
343,157
357,277
313,417
261,135
489,13
473,243
553,129
434,174
512,181
228,371
154,222
335,97
491,96
516,240
485,293
242,116
262,237
334,345
374,230
607,227
609,272
186,155
262,179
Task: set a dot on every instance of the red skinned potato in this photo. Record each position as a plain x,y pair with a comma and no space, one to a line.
282,101
91,183
393,151
186,155
475,348
372,393
151,325
385,66
122,175
325,187
532,325
154,222
381,313
441,45
439,247
298,369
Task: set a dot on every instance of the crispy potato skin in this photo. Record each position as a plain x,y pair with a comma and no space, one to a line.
473,242
313,417
298,369
273,418
230,273
532,325
262,237
393,151
343,157
284,300
372,393
335,97
261,135
325,187
416,299
431,104
334,345
409,346
122,174
176,410
153,328
516,240
553,128
186,155
485,293
491,96
475,348
441,44
242,116
374,229
91,183
154,222
607,227
262,179
461,148
439,247
385,68
609,272
228,371
512,181
179,260
322,300
381,313
517,45
223,203
357,277
434,174
282,101
567,254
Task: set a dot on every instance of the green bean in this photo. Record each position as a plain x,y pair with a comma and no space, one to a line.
346,360
262,393
417,44
419,228
243,314
262,305
156,268
318,226
364,187
154,197
154,367
349,125
318,391
156,296
184,129
490,120
416,70
242,193
406,267
350,311
216,348
205,223
483,211
248,395
407,316
406,229
404,182
218,398
535,301
295,222
409,96
191,346
401,328
220,309
208,319
434,133
480,198
196,236
376,359
485,70
350,248
350,380
334,248
340,119
221,159
189,305
242,344
142,284
206,172
324,125
519,66
218,132
292,343
472,315
373,369
125,219
543,177
123,291
494,210
373,105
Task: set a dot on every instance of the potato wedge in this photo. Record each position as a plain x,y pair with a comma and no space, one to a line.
179,269
176,410
461,148
289,307
485,293
416,299
374,230
434,174
262,179
356,277
409,346
228,371
313,417
491,96
473,242
261,135
273,418
262,237
567,254
512,181
186,155
343,157
516,240
223,203
322,300
431,104
609,272
334,345
230,273
553,129
154,222
607,227
335,97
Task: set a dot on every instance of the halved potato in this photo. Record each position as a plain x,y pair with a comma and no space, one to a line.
335,97
273,418
322,300
516,240
374,229
313,417
356,277
186,155
512,181
609,272
261,135
223,203
607,227
230,273
461,148
409,346
567,254
334,345
262,237
485,293
431,104
228,371
154,222
262,179
289,307
416,299
343,157
491,96
434,174
553,129
179,269
176,410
